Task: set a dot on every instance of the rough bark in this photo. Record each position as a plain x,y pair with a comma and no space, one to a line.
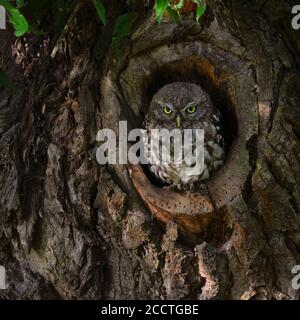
73,229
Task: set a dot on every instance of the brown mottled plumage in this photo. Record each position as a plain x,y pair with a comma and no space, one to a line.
177,100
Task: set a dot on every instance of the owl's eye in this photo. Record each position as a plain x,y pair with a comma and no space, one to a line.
191,109
167,110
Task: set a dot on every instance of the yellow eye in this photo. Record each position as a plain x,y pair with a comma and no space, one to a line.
191,109
167,110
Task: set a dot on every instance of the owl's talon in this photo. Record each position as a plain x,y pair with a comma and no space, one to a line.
189,188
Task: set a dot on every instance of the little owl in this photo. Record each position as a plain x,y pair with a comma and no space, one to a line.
186,106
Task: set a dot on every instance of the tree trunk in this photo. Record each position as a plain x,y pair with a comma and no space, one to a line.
73,229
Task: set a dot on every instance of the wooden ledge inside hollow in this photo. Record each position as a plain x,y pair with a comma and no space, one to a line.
192,212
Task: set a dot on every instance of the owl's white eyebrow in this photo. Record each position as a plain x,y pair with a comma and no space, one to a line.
191,104
165,104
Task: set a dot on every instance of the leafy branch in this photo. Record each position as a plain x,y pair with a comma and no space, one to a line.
121,29
173,8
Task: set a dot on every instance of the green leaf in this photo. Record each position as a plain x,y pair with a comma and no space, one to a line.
160,8
15,18
200,12
5,80
121,30
173,14
100,10
201,8
18,21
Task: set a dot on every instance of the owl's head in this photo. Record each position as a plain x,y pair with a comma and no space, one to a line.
180,105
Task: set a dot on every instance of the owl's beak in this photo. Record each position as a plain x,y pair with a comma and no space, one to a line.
178,122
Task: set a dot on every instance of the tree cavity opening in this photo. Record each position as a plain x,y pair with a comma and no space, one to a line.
200,71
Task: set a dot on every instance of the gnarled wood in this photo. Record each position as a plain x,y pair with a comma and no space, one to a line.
73,229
